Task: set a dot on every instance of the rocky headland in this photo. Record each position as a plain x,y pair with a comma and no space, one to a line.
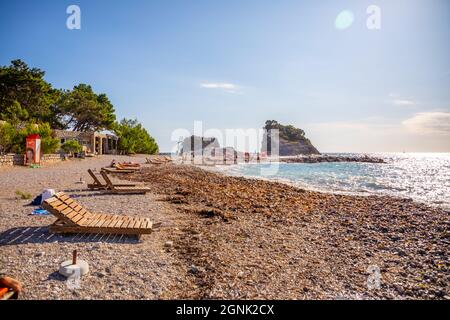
285,140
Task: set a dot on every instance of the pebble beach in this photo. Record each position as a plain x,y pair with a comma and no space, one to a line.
223,237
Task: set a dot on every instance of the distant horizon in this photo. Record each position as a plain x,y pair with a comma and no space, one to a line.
356,76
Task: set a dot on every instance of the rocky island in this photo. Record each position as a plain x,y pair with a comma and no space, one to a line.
290,141
294,147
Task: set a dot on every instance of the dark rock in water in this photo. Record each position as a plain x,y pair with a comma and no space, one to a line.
290,141
330,158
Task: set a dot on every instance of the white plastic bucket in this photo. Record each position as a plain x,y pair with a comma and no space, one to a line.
48,193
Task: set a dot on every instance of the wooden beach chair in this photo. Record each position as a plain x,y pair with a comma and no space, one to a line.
122,189
124,167
156,161
115,170
129,164
97,185
73,218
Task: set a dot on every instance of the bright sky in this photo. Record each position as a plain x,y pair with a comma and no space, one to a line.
236,63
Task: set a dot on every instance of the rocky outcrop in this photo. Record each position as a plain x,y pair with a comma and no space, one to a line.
285,140
199,145
330,158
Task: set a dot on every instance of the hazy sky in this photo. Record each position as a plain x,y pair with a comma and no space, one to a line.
235,64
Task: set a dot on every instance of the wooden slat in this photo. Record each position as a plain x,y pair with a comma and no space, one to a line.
113,221
75,206
66,211
124,222
56,203
130,223
106,222
137,223
119,222
85,219
63,197
72,215
101,220
78,217
61,207
93,222
50,200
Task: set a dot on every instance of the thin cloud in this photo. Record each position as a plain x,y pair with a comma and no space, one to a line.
429,123
226,86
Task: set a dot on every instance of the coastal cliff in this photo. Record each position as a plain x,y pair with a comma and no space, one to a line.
291,141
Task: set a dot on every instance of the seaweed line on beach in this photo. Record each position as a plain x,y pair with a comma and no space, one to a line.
249,238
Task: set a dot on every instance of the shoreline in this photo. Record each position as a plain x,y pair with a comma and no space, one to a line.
222,169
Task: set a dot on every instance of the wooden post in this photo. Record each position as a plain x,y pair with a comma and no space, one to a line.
74,257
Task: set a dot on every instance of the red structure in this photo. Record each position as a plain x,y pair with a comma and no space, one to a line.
33,149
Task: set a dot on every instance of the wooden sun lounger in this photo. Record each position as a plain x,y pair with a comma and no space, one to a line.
115,170
129,164
120,189
156,161
73,218
97,185
122,167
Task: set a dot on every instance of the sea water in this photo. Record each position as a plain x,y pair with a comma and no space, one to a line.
423,177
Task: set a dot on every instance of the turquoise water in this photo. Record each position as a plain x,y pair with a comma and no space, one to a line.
423,177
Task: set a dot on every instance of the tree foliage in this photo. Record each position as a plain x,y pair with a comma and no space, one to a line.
71,146
12,139
83,110
25,95
133,138
288,132
29,104
7,137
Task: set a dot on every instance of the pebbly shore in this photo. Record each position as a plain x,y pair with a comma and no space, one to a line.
254,239
225,237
